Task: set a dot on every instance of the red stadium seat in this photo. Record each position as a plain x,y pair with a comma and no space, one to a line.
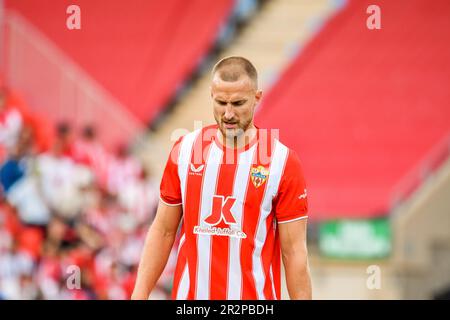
141,51
364,107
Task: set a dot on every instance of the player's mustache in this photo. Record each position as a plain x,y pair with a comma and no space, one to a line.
230,121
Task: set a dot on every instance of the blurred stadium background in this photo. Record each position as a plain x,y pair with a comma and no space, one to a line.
87,118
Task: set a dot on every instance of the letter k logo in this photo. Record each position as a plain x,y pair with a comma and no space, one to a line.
221,209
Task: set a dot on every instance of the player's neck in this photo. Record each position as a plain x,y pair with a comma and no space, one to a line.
240,141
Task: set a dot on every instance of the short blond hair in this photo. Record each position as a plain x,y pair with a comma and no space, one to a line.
231,68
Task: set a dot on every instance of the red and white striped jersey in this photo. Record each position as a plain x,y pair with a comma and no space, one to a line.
232,201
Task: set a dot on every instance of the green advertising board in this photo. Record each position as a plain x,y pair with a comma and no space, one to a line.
355,239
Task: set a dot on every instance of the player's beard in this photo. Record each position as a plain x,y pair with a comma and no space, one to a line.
233,135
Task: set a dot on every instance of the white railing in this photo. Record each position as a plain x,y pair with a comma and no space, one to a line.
53,85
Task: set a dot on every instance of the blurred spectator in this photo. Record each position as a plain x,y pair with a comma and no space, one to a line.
88,151
69,205
61,179
19,184
141,196
14,266
14,118
11,120
122,170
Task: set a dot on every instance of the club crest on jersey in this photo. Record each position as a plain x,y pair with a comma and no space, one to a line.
259,175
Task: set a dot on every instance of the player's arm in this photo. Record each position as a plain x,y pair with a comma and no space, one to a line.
157,247
295,258
291,213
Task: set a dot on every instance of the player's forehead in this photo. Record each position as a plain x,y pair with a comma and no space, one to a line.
232,90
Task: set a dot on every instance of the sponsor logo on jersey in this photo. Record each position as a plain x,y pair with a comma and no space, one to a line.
221,211
196,170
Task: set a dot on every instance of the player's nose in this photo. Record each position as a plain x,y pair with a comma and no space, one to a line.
229,112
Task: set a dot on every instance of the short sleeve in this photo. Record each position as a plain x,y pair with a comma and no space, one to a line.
170,190
291,202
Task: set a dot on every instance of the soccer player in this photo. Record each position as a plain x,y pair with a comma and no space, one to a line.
241,197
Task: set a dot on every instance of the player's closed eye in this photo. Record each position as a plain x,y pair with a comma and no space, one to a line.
239,103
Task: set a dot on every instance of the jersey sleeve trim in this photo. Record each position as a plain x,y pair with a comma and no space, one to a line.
292,220
169,204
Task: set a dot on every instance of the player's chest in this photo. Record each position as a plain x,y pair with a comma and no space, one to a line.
229,191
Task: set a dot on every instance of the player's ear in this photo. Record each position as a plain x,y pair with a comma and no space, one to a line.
258,95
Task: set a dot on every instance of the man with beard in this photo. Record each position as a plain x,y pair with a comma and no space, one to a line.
241,197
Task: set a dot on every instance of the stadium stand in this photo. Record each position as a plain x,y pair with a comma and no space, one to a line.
367,105
421,254
140,52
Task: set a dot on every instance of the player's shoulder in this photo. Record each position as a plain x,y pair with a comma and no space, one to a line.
293,165
280,149
274,144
